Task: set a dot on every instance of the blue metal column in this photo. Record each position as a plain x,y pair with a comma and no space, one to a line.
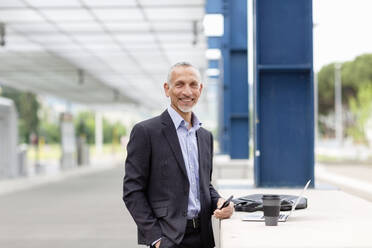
215,7
284,114
235,134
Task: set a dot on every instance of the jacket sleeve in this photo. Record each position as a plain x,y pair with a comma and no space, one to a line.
214,194
137,169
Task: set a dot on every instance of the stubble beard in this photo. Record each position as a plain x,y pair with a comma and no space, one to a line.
185,110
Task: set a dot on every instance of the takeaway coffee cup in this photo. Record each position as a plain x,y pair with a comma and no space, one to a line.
271,207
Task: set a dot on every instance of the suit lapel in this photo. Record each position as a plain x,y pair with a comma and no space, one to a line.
171,134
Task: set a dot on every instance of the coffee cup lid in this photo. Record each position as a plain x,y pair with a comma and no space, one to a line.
270,197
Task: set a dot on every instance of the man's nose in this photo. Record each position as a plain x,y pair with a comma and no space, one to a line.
187,90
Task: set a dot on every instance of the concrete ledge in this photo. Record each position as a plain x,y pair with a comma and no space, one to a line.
359,187
224,167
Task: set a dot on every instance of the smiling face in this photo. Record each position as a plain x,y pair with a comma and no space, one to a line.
184,88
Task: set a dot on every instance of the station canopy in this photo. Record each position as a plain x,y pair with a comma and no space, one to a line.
99,51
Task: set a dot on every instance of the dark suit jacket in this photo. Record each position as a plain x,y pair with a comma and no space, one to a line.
156,186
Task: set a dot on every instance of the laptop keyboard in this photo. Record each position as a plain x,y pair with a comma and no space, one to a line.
281,216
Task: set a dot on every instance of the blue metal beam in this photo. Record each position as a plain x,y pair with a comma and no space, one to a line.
235,80
284,119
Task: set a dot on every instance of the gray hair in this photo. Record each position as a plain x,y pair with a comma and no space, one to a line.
180,64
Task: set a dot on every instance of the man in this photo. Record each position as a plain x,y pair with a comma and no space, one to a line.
168,170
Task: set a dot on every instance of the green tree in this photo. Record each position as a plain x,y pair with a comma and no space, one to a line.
326,89
361,107
112,132
107,131
356,77
50,131
27,106
85,125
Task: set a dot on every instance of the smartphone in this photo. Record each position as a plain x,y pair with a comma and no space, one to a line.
226,203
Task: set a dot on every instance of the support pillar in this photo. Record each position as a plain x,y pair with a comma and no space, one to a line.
284,93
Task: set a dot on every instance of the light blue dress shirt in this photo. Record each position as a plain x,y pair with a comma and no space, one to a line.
189,147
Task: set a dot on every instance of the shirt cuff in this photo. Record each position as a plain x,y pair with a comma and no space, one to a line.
156,241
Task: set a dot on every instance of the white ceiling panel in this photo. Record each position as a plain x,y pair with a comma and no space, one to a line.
195,60
157,55
16,39
118,14
155,68
133,38
200,45
126,68
54,3
185,13
146,50
118,82
171,46
110,3
182,54
102,47
128,26
65,50
60,15
166,3
173,26
123,46
108,53
93,38
78,58
140,81
52,38
68,45
139,45
11,3
149,61
88,61
80,53
182,37
80,26
118,58
33,27
23,47
19,15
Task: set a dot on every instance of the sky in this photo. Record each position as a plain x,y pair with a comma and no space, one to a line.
343,30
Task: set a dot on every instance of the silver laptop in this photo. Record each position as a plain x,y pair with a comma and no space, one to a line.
258,216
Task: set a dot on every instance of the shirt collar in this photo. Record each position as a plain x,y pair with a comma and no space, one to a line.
179,121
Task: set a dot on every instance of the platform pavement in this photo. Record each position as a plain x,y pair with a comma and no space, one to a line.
80,210
83,208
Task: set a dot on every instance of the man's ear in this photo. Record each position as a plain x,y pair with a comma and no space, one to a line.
166,88
201,88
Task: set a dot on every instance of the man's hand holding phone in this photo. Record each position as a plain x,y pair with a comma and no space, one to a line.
225,208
